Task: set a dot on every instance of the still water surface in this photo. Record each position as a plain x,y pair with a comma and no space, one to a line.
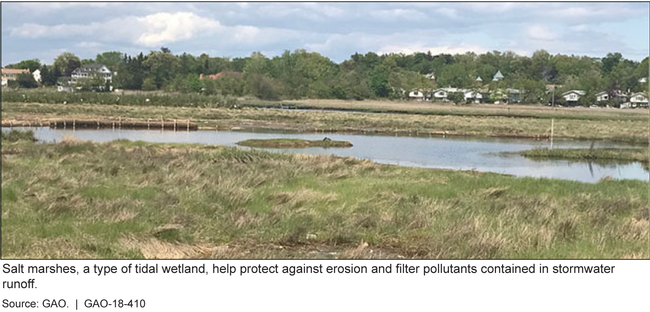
481,154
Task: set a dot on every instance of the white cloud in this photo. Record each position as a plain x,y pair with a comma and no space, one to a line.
446,49
162,28
89,44
539,32
149,31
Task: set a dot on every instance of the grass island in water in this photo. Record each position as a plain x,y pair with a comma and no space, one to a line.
293,143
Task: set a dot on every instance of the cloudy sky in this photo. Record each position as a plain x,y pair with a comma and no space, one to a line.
336,30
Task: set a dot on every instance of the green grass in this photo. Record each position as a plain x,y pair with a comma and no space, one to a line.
628,154
293,143
17,135
137,200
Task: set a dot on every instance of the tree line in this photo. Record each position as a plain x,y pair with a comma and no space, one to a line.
302,74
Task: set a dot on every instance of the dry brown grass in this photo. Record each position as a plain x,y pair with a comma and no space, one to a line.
153,248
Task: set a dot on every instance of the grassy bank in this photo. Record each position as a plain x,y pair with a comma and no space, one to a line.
625,154
479,110
632,128
137,200
193,100
293,143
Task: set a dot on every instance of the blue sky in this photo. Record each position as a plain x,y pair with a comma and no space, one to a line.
336,30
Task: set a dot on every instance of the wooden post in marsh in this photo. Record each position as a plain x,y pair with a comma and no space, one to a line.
174,125
74,124
148,123
552,130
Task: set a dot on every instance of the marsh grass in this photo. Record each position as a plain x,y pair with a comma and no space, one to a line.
18,135
293,143
629,154
138,200
613,125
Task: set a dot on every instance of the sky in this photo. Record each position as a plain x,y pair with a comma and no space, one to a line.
336,30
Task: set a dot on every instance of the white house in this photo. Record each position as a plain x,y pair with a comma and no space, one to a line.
476,96
602,96
416,95
573,96
90,69
442,93
64,84
639,99
514,95
37,75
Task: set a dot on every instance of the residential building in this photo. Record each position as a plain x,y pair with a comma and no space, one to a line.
476,96
498,76
64,84
572,96
617,97
639,99
416,95
514,95
602,96
11,74
442,93
90,70
37,75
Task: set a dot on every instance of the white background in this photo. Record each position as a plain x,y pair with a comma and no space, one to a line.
625,289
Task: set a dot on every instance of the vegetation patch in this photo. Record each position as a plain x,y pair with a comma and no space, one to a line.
18,135
625,154
293,143
436,120
125,200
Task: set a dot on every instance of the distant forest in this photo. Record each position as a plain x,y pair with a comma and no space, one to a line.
302,74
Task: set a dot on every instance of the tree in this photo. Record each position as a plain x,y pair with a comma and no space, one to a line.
26,80
610,61
95,83
32,65
111,59
456,97
162,67
379,84
67,62
49,75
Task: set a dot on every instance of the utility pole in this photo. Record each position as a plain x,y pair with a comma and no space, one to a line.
553,98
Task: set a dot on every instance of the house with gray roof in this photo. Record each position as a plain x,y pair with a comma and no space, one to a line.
91,69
